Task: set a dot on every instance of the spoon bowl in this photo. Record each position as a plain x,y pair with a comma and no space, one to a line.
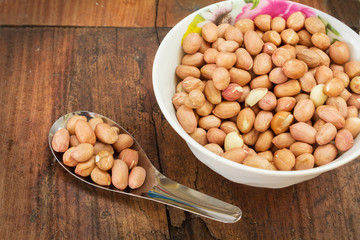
156,187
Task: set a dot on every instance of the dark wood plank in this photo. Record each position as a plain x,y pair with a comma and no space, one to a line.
45,73
78,13
348,11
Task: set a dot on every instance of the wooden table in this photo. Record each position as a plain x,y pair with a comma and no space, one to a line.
62,55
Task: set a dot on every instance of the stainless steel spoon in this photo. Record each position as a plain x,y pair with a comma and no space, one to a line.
157,187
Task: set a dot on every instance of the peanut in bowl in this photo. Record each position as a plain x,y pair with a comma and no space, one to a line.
267,82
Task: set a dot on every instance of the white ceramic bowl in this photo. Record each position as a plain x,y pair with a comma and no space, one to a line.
169,55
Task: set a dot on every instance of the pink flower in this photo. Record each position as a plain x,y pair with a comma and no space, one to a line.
275,8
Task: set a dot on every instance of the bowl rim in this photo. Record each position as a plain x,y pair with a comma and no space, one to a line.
179,130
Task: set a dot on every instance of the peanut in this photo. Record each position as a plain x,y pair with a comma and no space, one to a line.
251,137
264,141
268,155
325,59
268,102
334,87
258,162
192,43
353,125
245,120
332,115
105,134
277,76
232,92
299,148
130,157
253,43
321,40
95,121
74,141
239,76
296,21
215,148
225,59
99,146
61,140
210,121
272,37
213,95
186,118
195,99
285,104
307,82
100,177
280,56
352,112
124,141
120,174
352,69
344,140
355,84
261,82
269,48
340,104
305,38
216,135
191,83
325,154
234,34
221,78
70,125
104,160
228,46
178,99
317,95
205,109
284,159
281,122
262,64
209,32
82,152
84,169
326,134
304,110
183,71
289,36
262,121
199,135
233,140
244,59
196,59
137,177
226,109
245,24
354,100
294,68
255,96
339,52
68,160
210,55
342,76
221,29
84,132
278,24
314,25
303,132
310,57
304,161
283,140
288,89
229,126
237,154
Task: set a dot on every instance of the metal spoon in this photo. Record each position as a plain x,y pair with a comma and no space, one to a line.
156,187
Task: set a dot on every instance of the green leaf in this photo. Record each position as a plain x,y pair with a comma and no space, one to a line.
254,2
193,28
332,29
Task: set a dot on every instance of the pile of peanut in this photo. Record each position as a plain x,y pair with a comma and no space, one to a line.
269,93
92,152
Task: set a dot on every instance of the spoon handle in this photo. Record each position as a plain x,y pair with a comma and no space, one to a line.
174,194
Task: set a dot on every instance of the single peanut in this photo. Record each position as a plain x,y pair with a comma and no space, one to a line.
296,21
294,68
281,122
340,104
339,52
262,121
221,78
225,59
70,125
100,177
283,140
99,146
317,95
84,169
352,112
305,38
285,104
289,36
137,177
269,48
262,64
74,141
183,71
105,133
95,121
344,140
234,34
221,29
120,174
310,57
352,69
233,140
307,82
255,96
253,43
213,95
288,89
210,55
325,154
228,127
205,109
251,137
264,141
245,120
68,160
195,99
333,87
178,99
280,56
232,92
284,159
228,46
104,160
277,76
354,100
210,121
192,43
196,59
314,25
130,157
299,148
209,32
191,83
355,84
268,155
245,24
304,161
237,154
353,125
262,22
243,59
215,148
82,152
261,82
342,76
199,135
61,140
226,109
272,37
304,110
278,24
303,132
332,115
186,118
204,46
239,76
321,40
326,134
124,141
84,132
337,67
258,162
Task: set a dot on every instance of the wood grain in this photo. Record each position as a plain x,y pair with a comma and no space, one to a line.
47,72
130,13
